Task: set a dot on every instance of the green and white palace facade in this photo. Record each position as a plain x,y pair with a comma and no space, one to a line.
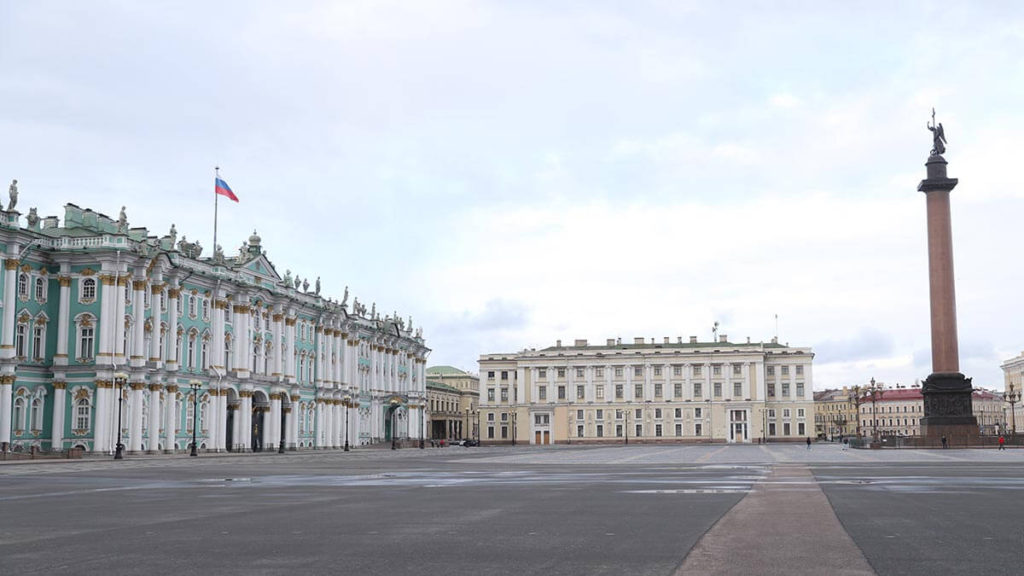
107,327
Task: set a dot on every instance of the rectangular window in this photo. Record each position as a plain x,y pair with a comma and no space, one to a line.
20,338
697,392
785,389
600,391
737,389
638,391
638,413
736,370
599,372
785,412
561,392
579,431
657,390
490,416
718,389
490,374
542,393
490,432
504,432
698,413
638,372
770,370
785,372
677,370
771,428
657,370
600,430
696,370
504,374
542,373
800,429
639,430
618,430
657,429
600,414
504,417
771,389
698,429
561,372
579,372
679,412
800,412
87,343
785,428
38,341
716,370
618,391
799,370
657,413
490,394
580,393
618,372
579,414
771,413
504,394
799,389
679,429
677,389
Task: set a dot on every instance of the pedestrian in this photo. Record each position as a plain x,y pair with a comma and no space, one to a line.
808,442
1002,443
944,441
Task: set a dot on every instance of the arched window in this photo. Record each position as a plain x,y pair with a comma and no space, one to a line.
204,356
190,357
35,420
19,414
40,289
83,414
20,339
23,285
39,341
88,290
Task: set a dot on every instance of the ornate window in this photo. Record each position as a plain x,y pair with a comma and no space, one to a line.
23,286
227,352
85,343
19,414
41,290
87,291
39,340
83,413
190,355
21,338
206,309
181,303
35,416
204,352
192,306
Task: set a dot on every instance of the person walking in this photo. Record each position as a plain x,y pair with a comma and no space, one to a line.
808,442
1002,443
944,441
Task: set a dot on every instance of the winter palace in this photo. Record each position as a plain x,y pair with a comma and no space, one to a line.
109,332
648,391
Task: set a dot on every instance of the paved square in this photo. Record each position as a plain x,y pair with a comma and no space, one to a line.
524,510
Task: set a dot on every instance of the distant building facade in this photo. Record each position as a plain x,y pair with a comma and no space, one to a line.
1013,384
835,413
454,399
898,412
106,328
648,391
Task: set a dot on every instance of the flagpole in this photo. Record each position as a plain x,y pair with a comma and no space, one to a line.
216,175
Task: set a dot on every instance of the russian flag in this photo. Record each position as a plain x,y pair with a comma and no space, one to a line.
221,187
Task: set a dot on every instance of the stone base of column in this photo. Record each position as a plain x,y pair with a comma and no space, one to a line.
948,410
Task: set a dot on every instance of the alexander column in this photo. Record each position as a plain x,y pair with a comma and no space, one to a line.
947,392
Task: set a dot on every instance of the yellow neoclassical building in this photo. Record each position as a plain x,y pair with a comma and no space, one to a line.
835,413
648,391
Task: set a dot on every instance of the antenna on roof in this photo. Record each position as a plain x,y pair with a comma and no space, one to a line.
776,327
714,332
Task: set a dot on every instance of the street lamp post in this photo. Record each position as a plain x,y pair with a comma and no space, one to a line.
394,424
423,417
513,428
195,385
1012,396
873,390
625,418
347,403
120,378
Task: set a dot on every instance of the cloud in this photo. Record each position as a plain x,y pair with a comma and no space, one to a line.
866,344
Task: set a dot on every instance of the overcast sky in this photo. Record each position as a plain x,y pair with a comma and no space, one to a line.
512,173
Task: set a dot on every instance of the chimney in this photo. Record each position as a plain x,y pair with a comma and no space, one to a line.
693,339
610,342
50,222
639,340
775,339
722,338
748,339
680,339
666,339
581,343
558,343
618,341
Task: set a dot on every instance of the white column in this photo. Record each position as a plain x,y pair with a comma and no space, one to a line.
59,399
171,337
7,337
6,407
101,417
139,352
104,327
120,294
63,321
276,368
170,423
156,313
154,418
274,426
319,435
245,434
135,425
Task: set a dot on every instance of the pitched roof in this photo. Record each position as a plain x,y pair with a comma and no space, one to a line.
446,371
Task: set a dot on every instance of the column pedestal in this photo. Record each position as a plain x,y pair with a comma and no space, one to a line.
947,405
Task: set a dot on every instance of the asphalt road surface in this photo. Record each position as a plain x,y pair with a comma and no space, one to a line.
624,510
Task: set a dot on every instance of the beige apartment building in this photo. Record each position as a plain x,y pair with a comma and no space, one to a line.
453,399
835,413
648,391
